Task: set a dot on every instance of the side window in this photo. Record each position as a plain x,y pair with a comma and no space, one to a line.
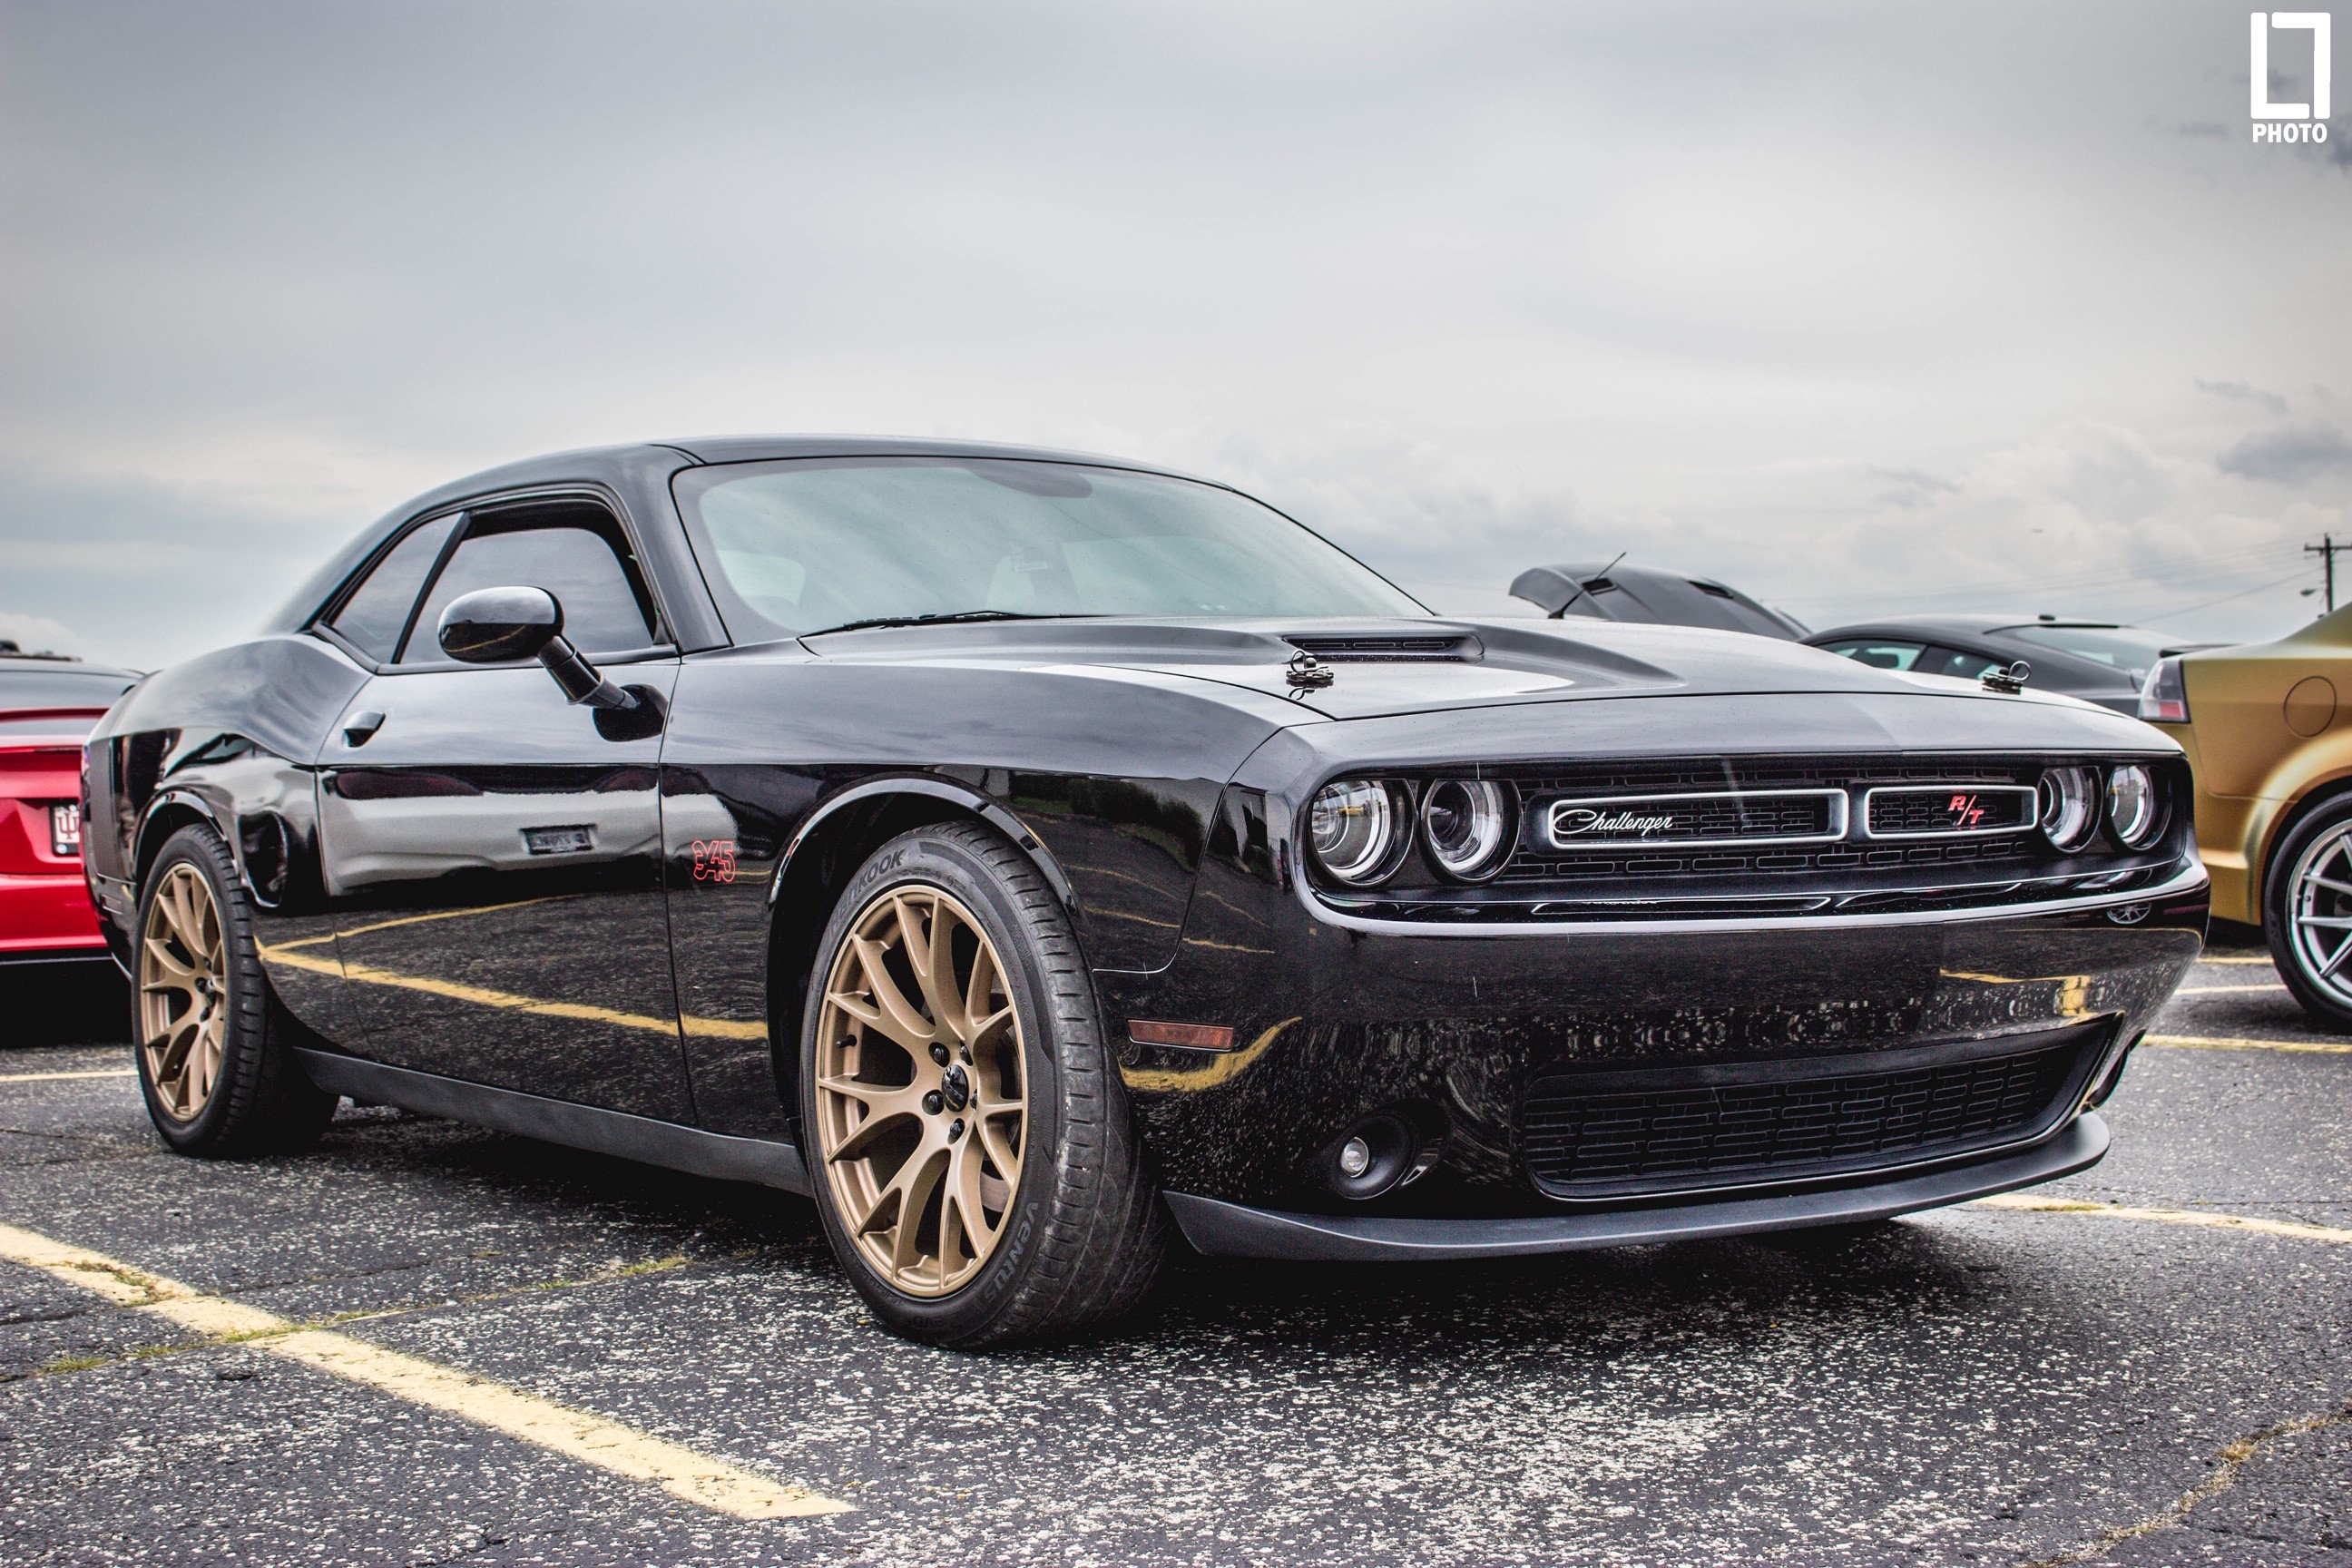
1879,653
601,613
1952,661
373,617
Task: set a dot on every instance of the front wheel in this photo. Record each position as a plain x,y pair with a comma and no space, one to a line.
2308,913
974,1162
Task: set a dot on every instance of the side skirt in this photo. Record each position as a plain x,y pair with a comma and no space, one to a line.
665,1143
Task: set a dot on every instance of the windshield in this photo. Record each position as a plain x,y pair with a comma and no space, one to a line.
814,543
2126,649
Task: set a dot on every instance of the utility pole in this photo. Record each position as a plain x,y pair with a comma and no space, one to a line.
2325,550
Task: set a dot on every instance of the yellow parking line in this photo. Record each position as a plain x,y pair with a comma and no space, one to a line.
2237,958
2165,1217
2230,1043
2219,989
696,1478
53,1077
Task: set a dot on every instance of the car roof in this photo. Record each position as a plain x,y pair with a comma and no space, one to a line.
56,685
640,466
1956,626
60,664
771,448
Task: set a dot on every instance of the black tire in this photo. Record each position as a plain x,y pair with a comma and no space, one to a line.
259,1102
2321,843
1086,1235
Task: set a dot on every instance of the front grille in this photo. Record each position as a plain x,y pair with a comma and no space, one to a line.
1949,811
1605,1135
1548,867
1868,852
1639,839
1646,823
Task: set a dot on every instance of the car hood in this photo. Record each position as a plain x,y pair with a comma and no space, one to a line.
1381,668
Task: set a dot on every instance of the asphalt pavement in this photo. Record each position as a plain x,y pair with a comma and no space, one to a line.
422,1344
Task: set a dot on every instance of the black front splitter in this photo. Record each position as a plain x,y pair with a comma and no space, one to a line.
1221,1230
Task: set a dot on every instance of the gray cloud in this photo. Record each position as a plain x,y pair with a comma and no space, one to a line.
2292,454
2242,393
1912,486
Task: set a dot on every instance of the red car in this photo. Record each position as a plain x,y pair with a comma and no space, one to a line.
47,703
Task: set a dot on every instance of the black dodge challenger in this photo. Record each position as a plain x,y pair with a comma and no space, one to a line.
1018,851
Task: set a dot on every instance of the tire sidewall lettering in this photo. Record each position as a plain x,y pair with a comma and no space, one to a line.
1009,1254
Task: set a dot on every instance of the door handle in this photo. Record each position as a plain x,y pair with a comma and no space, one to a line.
362,729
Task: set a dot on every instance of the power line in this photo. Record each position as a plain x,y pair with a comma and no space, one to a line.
2181,572
2209,604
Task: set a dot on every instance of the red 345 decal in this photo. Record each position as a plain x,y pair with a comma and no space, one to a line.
714,860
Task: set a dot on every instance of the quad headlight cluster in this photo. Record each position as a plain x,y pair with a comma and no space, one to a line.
1362,829
2076,799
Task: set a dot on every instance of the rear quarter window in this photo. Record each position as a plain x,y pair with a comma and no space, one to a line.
1879,653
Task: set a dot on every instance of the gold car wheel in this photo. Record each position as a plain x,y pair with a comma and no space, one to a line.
922,1103
2319,907
183,1003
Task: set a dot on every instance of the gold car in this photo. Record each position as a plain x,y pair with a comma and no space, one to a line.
2271,744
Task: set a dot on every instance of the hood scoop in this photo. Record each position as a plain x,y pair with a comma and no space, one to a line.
1457,648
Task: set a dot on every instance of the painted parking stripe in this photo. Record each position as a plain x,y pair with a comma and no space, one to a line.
2237,958
2198,1217
53,1077
625,1452
2234,1042
2227,990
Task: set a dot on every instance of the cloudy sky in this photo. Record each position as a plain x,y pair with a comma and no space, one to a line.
1862,308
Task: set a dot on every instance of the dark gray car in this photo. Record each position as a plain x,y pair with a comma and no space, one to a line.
2099,661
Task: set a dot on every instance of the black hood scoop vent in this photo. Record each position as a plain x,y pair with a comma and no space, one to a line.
1455,647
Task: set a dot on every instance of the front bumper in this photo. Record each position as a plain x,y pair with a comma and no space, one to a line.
1234,1230
1466,1031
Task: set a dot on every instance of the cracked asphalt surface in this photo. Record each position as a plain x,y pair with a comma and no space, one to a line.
1972,1385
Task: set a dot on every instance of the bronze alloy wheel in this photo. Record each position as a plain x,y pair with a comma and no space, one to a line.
921,1101
183,1002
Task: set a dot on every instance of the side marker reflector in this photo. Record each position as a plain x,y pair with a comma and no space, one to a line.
1198,1036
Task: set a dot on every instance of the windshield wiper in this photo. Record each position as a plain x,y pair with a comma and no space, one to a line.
946,620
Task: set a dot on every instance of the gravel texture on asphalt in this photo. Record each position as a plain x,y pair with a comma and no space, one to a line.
1972,1385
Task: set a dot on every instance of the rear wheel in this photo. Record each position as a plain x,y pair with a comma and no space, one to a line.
214,1062
975,1165
2307,911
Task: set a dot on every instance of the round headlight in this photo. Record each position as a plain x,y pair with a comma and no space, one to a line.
2133,811
1466,824
2070,806
1352,827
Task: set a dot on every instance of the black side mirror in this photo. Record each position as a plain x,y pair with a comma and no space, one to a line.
494,626
498,626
